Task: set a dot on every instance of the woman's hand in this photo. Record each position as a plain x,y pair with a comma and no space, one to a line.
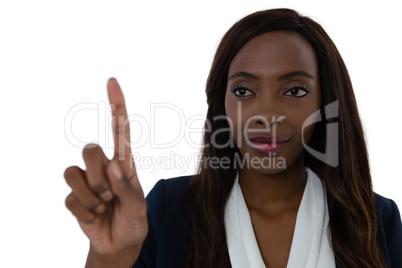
107,198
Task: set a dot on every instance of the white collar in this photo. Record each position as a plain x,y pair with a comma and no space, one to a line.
310,246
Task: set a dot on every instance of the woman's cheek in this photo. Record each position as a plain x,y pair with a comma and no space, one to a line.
308,125
235,128
307,132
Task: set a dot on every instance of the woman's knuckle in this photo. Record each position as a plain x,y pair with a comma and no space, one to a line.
70,201
99,186
71,172
90,149
91,203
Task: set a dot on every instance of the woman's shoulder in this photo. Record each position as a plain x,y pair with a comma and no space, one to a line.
168,189
385,207
388,217
164,198
389,233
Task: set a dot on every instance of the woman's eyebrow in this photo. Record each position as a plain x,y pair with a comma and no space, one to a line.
296,73
242,74
282,77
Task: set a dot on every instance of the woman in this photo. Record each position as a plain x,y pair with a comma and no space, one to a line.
277,185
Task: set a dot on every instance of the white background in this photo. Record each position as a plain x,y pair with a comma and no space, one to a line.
55,55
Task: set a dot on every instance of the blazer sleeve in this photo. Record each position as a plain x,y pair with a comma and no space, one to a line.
390,231
155,208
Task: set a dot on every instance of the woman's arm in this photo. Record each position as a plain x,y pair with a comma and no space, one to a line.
122,259
107,198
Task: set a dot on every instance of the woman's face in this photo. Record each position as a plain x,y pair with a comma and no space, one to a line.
273,77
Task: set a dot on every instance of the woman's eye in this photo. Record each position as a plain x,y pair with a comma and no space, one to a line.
241,91
297,92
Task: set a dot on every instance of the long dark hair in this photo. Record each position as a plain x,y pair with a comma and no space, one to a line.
352,222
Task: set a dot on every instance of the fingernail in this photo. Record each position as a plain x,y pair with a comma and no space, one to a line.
100,209
106,195
111,79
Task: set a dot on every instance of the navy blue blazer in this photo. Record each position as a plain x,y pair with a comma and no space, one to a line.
167,242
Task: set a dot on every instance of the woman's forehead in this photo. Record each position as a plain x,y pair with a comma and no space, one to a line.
275,53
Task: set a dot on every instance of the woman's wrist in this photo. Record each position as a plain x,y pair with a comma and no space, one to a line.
121,259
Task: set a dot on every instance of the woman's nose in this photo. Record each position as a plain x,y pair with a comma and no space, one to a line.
267,112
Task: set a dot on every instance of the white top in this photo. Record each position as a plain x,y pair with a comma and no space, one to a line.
310,247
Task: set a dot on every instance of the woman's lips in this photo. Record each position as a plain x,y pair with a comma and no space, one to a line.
268,144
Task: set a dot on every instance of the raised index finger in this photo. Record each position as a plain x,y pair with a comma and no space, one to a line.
120,123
